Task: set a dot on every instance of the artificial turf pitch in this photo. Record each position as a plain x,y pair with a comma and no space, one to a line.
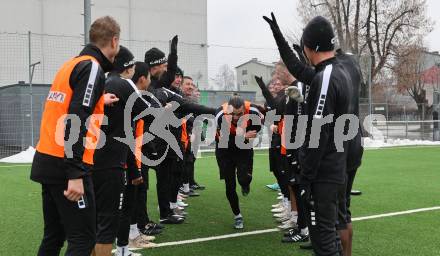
391,180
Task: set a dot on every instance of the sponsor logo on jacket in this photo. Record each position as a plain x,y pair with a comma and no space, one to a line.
56,96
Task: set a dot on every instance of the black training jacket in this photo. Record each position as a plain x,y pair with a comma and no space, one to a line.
48,169
250,127
186,106
114,153
324,163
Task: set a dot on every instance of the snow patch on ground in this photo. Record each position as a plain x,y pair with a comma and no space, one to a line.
27,156
372,143
23,157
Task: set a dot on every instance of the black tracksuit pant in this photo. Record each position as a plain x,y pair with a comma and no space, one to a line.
67,220
163,185
293,172
128,207
188,164
235,164
277,168
140,214
322,218
177,172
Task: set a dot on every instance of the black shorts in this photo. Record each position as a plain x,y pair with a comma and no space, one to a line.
235,161
109,193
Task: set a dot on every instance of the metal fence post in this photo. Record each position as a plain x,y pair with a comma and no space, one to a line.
423,121
30,88
388,135
406,122
87,20
370,98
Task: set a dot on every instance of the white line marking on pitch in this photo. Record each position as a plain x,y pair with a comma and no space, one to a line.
10,166
258,232
396,213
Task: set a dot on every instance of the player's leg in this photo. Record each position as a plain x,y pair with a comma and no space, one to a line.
322,214
186,174
347,233
342,225
227,170
177,171
282,179
272,168
137,240
192,181
79,220
163,193
301,232
140,216
289,217
227,173
54,235
244,161
109,188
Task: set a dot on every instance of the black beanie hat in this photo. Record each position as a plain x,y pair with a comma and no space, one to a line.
155,57
179,71
318,35
123,60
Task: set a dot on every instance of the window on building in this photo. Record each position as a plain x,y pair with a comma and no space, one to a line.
245,82
244,72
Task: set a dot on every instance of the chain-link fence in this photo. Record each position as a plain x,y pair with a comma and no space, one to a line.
19,51
403,121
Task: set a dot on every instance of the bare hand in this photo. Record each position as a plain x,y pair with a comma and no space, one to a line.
110,99
274,128
137,181
168,106
75,190
239,131
250,134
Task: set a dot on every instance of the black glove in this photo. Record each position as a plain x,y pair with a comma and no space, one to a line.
273,25
174,42
276,31
260,82
293,63
266,93
300,52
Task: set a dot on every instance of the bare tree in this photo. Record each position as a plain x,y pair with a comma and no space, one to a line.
409,70
225,78
372,27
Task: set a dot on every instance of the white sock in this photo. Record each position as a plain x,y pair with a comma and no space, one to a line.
285,200
238,216
305,231
173,205
122,250
186,187
134,232
294,216
289,206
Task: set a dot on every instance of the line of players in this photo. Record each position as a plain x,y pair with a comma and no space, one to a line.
90,194
94,188
323,85
315,182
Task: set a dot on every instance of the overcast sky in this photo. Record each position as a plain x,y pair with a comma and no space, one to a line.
239,23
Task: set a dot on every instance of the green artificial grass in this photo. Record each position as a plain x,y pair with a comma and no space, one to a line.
391,180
